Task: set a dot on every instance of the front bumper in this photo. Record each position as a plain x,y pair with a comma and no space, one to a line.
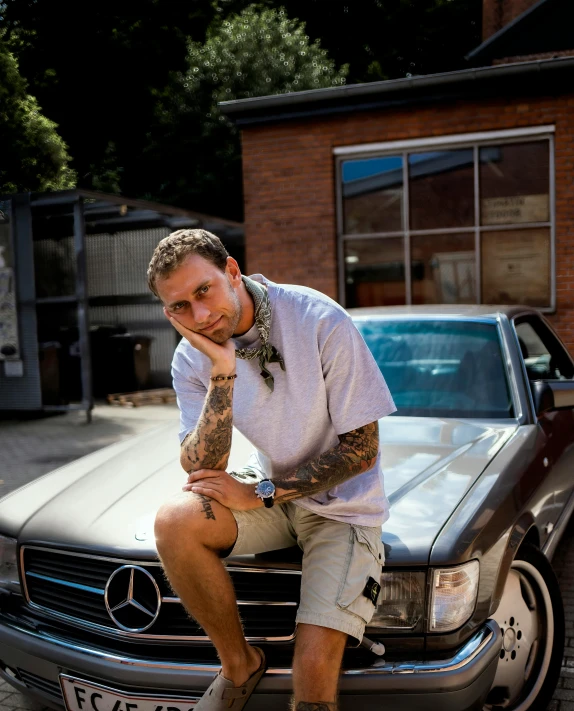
460,683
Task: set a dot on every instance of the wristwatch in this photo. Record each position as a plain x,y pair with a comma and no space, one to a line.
265,490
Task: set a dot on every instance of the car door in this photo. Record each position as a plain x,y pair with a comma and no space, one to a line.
545,358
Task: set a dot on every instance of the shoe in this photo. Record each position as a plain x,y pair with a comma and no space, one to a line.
222,694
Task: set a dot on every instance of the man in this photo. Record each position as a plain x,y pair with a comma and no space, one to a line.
288,368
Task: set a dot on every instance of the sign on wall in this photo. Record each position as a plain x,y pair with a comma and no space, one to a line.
516,267
9,343
510,210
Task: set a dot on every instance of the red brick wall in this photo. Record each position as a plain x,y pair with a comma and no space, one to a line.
534,57
289,182
496,14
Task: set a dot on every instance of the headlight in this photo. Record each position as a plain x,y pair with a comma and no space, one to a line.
401,601
453,596
8,564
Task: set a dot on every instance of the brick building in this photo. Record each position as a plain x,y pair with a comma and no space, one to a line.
447,188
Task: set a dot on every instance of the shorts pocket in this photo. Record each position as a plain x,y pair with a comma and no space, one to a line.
365,558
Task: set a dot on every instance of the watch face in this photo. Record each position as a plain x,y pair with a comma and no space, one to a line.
266,488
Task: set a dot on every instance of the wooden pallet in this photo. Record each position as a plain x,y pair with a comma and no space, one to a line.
142,397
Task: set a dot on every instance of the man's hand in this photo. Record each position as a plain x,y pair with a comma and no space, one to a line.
222,355
222,487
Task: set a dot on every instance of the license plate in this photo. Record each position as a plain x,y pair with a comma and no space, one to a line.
81,695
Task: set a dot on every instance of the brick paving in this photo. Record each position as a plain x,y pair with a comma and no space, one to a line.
563,563
34,447
30,449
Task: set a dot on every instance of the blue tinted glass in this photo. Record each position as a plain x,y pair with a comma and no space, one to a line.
441,368
372,192
357,169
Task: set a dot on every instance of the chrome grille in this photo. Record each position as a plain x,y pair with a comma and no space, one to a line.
71,586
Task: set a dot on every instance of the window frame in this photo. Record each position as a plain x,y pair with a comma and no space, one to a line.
546,332
476,141
516,320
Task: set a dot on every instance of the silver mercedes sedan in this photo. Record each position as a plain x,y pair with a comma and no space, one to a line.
479,463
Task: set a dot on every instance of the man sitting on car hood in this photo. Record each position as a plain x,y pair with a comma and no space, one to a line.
286,365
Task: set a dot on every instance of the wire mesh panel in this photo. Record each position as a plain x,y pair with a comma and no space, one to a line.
120,305
117,263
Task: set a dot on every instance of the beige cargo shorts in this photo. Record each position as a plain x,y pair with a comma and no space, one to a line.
338,560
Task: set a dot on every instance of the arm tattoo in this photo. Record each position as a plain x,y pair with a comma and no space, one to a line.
208,446
206,507
316,706
354,454
218,443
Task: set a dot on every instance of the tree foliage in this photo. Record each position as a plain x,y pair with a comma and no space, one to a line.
256,52
134,87
97,71
34,156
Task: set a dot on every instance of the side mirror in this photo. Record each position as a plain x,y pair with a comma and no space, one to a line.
553,395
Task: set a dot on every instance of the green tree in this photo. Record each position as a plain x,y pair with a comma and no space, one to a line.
97,70
256,52
34,156
114,82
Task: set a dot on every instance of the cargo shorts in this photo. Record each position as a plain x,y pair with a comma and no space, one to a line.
338,561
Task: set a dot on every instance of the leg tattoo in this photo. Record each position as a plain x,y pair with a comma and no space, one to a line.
207,510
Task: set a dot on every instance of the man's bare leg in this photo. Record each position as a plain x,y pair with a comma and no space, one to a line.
316,667
190,531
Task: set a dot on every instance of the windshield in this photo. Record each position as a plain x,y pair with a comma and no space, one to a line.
441,368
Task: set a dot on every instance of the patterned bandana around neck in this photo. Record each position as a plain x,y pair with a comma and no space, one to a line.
266,353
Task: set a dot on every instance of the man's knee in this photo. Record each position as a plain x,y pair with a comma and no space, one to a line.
188,520
179,519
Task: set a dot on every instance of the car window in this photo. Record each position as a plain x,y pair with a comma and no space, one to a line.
544,356
441,368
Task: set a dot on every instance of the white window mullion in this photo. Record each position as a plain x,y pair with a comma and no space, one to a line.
406,226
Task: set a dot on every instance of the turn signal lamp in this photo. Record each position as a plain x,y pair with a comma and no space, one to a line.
453,596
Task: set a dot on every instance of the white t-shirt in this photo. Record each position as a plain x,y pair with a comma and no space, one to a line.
331,385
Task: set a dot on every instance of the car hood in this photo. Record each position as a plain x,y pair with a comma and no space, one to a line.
429,466
106,502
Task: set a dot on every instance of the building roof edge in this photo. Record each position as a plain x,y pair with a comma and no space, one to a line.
316,101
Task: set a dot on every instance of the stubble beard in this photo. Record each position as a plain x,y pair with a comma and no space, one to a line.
223,334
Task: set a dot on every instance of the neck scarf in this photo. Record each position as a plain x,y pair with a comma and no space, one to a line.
266,353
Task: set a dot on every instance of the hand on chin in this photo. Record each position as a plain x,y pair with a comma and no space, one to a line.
220,350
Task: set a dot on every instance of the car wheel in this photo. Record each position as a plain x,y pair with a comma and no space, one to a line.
531,618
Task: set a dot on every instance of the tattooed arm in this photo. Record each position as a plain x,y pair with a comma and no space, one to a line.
208,446
356,453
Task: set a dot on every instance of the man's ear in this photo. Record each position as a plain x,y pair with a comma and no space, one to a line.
233,271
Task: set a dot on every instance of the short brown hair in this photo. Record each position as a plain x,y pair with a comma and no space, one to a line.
176,247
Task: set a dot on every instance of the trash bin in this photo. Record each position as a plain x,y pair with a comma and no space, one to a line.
120,361
133,366
49,357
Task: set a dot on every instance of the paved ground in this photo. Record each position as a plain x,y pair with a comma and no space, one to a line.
34,447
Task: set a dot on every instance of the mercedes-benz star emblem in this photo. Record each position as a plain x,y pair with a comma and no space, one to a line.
132,598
